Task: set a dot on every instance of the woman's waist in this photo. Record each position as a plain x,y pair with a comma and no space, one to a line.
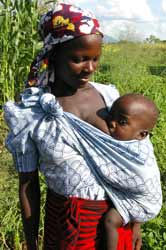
83,202
81,191
74,179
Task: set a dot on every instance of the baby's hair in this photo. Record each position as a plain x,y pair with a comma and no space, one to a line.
148,105
144,99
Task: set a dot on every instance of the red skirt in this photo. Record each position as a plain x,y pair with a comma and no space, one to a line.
76,224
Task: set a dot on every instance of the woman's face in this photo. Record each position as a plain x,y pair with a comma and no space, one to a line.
75,61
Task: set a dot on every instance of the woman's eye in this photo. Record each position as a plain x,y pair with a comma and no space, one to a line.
76,59
122,122
95,59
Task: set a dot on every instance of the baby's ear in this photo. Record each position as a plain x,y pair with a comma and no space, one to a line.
142,135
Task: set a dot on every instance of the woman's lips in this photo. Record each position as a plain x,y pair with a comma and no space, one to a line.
84,78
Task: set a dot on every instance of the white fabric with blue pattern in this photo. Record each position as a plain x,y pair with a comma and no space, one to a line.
78,159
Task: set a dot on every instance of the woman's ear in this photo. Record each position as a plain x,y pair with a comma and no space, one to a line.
142,135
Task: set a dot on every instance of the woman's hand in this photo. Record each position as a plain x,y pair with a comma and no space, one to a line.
136,236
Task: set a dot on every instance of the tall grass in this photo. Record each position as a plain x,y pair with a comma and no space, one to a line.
19,42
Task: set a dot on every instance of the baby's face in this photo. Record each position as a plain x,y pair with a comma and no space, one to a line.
126,126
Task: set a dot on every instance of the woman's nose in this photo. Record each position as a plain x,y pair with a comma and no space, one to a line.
89,66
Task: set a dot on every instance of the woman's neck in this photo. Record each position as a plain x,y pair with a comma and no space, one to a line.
60,89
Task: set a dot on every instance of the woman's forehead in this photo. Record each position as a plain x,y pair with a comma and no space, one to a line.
84,42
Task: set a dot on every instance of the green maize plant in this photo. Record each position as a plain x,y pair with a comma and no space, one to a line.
18,43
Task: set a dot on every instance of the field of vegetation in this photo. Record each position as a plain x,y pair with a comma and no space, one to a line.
132,67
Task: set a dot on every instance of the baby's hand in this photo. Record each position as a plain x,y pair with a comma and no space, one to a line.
136,236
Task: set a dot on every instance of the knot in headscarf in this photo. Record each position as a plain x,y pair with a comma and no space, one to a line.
64,23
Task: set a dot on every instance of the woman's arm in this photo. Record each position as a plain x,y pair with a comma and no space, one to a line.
29,194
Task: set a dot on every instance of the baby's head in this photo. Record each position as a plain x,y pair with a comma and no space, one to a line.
132,116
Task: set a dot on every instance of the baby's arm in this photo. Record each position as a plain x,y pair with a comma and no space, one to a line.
113,221
113,218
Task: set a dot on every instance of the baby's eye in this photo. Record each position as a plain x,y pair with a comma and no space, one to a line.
122,122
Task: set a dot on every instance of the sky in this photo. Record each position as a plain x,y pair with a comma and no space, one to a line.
128,18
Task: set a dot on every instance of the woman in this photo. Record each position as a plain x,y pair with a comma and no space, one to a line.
72,48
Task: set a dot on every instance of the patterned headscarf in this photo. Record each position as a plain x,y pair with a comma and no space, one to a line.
65,22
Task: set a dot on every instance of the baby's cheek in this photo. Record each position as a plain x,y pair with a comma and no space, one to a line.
122,133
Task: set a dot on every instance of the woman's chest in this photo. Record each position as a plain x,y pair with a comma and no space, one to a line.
89,106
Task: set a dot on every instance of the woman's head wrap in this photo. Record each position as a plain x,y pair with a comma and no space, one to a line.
65,22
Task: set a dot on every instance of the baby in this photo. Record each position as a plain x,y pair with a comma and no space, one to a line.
132,117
